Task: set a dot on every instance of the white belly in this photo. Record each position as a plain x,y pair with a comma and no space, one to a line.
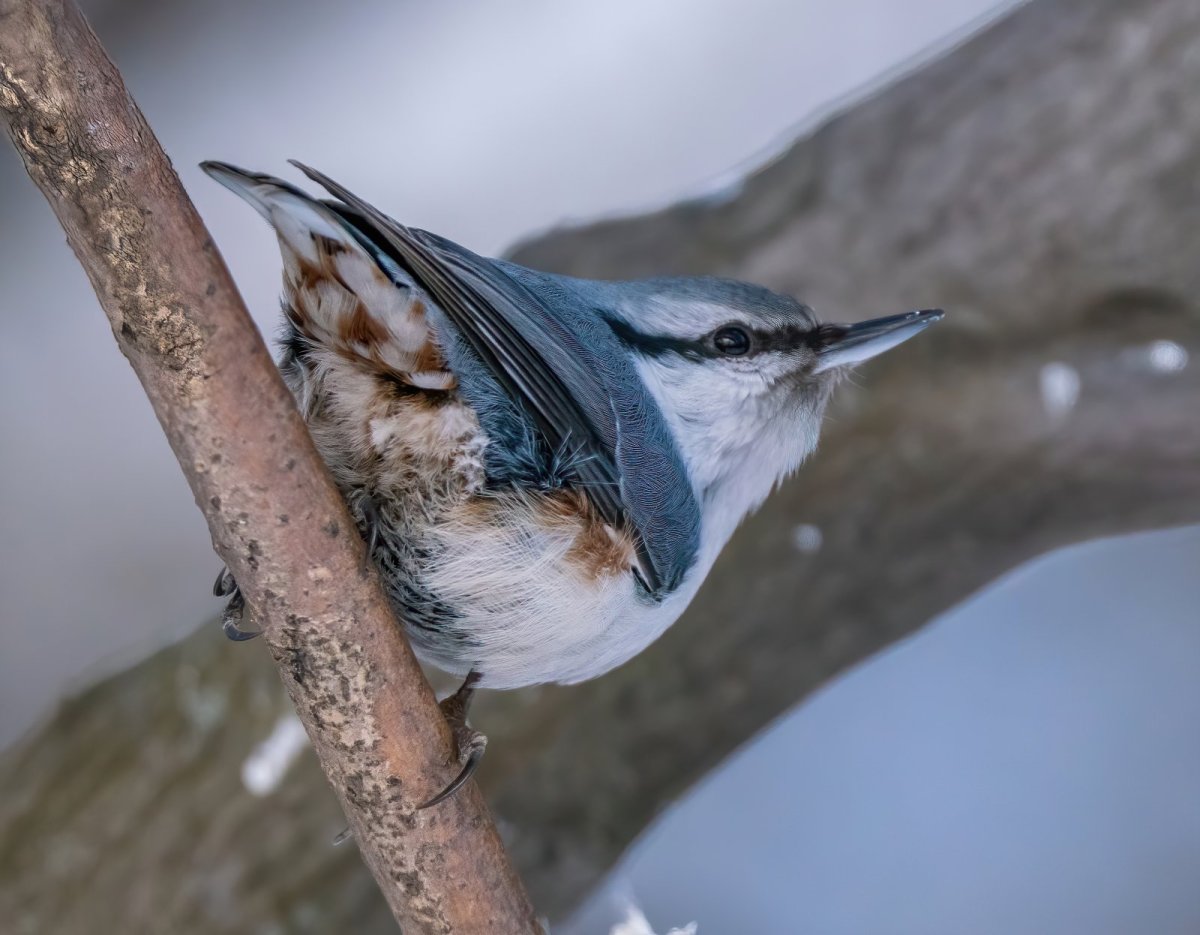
543,596
525,587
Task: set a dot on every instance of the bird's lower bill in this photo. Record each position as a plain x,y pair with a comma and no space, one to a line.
866,339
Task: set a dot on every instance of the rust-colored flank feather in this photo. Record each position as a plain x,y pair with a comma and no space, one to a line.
599,550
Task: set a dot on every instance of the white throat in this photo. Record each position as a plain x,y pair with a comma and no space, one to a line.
739,439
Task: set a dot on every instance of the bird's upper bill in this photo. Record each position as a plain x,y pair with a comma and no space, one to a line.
852,344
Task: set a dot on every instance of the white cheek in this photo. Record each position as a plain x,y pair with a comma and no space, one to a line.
728,423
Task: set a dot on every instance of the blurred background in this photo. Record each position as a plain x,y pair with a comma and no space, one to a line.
1027,763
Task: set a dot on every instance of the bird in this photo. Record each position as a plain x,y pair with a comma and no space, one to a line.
544,468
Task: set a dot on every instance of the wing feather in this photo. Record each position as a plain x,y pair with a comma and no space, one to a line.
542,365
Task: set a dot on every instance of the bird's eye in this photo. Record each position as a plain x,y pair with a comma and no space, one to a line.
733,342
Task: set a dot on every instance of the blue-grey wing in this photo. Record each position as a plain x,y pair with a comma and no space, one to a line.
566,370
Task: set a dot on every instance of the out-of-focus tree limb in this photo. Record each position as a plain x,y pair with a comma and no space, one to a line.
276,518
1042,183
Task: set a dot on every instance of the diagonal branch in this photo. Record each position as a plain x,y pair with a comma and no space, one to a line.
275,516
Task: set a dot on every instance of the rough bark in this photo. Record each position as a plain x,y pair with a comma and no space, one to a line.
1042,183
275,516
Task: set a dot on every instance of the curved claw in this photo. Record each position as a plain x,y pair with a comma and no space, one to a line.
229,626
224,585
469,767
231,619
371,516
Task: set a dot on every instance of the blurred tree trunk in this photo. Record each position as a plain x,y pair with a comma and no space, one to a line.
1041,183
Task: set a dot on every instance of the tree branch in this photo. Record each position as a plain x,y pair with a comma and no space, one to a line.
275,516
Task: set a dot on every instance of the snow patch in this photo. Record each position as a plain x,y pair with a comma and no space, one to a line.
269,761
807,538
1167,356
1159,357
1060,388
636,923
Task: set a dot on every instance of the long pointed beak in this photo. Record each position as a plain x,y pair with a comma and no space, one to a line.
852,344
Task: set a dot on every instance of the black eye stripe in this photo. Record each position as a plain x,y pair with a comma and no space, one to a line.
654,345
786,338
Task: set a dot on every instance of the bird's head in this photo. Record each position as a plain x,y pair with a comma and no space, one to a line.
743,376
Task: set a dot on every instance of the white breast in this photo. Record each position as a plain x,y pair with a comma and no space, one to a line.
546,594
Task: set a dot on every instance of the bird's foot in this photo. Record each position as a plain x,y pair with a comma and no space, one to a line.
235,609
224,585
372,521
469,742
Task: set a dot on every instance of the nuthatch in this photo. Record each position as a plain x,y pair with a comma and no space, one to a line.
544,468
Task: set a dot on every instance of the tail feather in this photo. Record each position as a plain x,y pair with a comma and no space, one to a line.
293,213
256,187
341,292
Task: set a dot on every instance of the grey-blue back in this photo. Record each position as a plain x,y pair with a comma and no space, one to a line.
554,388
